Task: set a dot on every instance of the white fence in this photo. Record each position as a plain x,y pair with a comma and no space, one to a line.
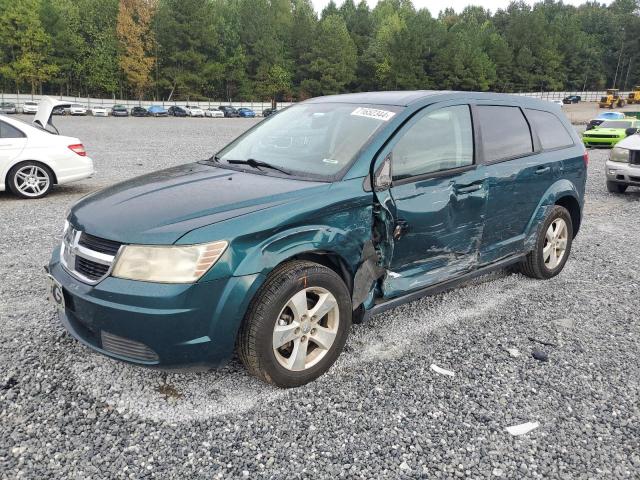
586,96
89,102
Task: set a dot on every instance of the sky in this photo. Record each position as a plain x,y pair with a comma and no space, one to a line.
435,6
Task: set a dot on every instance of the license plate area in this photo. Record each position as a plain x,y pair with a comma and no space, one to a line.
55,294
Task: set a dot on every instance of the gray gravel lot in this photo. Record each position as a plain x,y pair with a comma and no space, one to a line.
381,412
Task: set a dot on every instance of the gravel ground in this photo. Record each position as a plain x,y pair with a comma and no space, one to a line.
381,412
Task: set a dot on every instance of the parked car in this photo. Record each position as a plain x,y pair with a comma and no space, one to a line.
623,167
229,112
8,108
76,109
246,112
139,112
99,111
33,159
557,102
194,111
603,117
119,111
30,107
176,111
610,132
571,99
213,113
157,111
336,209
58,110
269,111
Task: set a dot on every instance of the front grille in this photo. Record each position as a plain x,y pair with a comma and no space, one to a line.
86,257
127,348
91,270
634,179
601,135
99,244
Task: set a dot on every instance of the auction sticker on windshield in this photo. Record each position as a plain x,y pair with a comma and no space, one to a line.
384,115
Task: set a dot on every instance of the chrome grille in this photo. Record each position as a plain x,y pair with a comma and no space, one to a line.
87,258
127,348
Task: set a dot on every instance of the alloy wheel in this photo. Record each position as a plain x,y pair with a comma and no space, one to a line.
555,243
32,180
306,328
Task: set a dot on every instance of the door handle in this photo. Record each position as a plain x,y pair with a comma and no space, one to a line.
541,170
469,188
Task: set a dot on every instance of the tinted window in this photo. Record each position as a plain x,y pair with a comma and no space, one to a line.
8,131
505,132
440,140
550,130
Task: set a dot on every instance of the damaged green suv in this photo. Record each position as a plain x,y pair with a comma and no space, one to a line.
331,211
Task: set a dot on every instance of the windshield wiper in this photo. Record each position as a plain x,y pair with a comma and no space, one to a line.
252,162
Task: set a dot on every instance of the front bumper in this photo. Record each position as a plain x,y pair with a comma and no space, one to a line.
623,173
600,142
152,324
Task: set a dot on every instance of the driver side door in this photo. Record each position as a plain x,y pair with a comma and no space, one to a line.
437,200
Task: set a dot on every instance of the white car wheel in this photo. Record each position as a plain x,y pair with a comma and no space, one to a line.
30,180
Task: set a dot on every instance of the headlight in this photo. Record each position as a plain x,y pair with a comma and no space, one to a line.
167,264
619,155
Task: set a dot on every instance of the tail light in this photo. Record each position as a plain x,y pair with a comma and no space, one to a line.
585,157
79,149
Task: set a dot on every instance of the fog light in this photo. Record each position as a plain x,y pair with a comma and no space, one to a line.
612,172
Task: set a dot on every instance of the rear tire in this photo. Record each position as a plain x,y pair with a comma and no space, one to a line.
553,245
30,180
614,187
282,341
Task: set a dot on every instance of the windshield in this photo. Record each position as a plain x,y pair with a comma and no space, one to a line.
615,124
315,140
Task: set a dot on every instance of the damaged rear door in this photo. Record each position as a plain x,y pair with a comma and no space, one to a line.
435,208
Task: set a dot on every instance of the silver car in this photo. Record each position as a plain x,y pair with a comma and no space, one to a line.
7,107
623,167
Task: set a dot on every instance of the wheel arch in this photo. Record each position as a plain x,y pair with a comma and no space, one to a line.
571,204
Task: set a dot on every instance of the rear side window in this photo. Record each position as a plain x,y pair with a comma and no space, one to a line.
440,140
505,132
9,131
550,130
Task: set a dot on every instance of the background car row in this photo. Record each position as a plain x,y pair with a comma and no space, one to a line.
152,111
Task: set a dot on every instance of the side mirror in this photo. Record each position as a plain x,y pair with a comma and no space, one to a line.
630,131
589,127
382,176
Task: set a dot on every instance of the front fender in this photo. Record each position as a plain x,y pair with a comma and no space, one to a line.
559,189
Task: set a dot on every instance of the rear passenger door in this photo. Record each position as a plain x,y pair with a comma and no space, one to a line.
12,142
519,171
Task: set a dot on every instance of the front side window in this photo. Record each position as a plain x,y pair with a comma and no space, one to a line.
314,140
438,141
9,131
505,132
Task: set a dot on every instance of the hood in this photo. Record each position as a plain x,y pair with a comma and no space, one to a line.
161,207
45,112
632,142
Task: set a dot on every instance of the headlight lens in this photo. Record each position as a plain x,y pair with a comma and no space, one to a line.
167,264
619,155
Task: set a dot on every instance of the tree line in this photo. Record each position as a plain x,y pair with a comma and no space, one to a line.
284,49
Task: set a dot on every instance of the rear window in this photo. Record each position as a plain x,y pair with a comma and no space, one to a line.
505,132
551,132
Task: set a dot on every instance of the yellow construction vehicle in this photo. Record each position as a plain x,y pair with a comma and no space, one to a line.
634,96
611,99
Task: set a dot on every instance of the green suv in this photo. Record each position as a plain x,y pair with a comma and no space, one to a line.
333,210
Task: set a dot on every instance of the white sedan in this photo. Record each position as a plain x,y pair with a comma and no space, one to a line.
29,107
213,112
77,109
34,158
194,111
99,111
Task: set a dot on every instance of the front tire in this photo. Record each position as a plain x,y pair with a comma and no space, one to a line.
30,180
297,324
614,187
553,245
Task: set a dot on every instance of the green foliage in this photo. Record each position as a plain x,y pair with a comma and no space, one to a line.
280,49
